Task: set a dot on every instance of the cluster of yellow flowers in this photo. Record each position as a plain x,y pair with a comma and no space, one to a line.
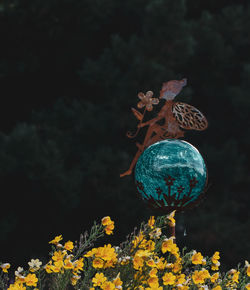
108,224
148,259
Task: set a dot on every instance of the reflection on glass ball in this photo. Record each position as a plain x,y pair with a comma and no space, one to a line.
171,174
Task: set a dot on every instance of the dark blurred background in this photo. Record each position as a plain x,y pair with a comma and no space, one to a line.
70,71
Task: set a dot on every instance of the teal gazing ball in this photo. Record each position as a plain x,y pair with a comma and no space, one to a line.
171,175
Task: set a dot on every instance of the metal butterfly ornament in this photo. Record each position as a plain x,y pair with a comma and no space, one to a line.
176,116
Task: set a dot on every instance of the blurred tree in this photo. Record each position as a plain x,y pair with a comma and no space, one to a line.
79,66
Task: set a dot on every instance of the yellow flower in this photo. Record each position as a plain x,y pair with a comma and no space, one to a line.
197,258
138,262
175,251
108,225
153,282
138,240
107,253
214,277
215,267
218,287
17,286
167,245
5,267
58,256
48,267
177,266
247,286
169,279
78,265
206,273
91,253
151,222
108,285
57,267
31,280
117,281
99,279
215,257
153,272
151,263
109,228
235,277
69,246
68,264
150,245
56,240
247,265
199,277
180,279
105,257
161,264
216,263
34,265
73,280
98,263
171,220
106,221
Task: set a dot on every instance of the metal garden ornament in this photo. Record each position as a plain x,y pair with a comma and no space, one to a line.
170,173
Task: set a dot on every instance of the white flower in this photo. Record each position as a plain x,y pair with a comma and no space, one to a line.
124,259
117,249
18,272
35,264
20,269
5,265
167,239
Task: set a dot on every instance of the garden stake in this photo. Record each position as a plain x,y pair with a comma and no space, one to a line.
170,174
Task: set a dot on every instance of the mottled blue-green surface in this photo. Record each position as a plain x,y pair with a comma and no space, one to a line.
175,160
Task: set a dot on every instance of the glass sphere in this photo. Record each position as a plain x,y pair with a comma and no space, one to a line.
171,174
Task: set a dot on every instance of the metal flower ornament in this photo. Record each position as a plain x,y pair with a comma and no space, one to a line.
170,173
